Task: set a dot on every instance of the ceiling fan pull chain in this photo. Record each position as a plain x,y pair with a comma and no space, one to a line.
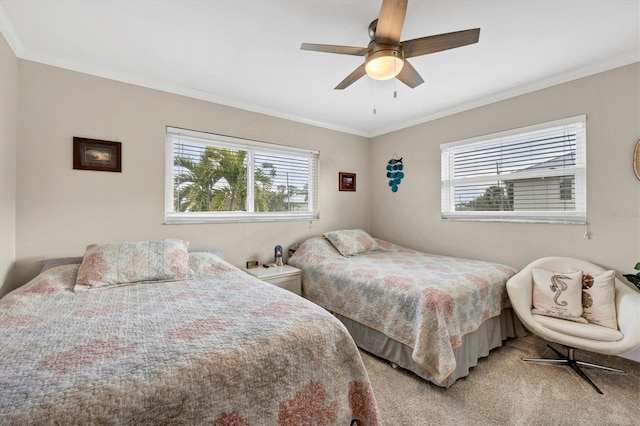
395,82
375,97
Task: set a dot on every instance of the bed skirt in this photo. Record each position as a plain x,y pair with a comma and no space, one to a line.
474,345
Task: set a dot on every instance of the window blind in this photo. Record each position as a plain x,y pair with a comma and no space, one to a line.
216,178
536,173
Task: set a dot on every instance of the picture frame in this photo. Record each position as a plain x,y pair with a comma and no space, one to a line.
99,155
346,181
636,160
251,264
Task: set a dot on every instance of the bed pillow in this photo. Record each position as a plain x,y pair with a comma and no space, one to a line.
208,263
131,262
598,299
558,294
59,261
350,242
214,252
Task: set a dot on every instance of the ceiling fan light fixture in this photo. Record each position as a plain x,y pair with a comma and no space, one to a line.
384,62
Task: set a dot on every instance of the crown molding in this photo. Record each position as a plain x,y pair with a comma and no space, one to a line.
575,74
8,30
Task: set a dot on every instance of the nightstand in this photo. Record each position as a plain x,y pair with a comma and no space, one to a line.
286,277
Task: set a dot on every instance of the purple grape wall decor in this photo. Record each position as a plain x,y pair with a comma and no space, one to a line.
395,173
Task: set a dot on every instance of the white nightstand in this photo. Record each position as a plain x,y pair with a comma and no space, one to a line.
286,277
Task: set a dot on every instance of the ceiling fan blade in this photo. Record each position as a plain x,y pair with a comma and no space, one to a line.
409,75
352,78
390,21
330,48
437,43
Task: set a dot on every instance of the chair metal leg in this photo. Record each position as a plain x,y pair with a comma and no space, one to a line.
547,360
570,361
598,366
584,375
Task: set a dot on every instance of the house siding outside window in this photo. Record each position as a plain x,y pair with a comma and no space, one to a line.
531,174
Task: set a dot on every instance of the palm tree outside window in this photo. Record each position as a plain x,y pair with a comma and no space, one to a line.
216,178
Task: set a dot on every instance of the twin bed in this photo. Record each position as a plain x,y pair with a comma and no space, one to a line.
433,315
147,333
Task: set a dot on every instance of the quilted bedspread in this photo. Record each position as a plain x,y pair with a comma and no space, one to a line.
424,301
222,348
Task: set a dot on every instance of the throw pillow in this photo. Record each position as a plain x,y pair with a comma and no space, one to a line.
598,299
350,242
558,294
130,262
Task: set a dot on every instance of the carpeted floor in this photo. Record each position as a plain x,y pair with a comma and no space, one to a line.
504,390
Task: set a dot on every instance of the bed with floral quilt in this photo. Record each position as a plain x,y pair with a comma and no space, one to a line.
148,333
433,315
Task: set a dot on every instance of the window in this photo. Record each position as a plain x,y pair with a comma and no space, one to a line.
531,174
566,188
214,178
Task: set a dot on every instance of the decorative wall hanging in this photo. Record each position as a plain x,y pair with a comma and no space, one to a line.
93,154
394,172
636,160
346,181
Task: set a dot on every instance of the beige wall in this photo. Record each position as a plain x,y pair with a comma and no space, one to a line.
61,210
611,101
8,110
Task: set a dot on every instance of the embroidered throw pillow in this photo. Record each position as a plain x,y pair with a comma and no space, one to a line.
350,242
598,299
558,294
130,262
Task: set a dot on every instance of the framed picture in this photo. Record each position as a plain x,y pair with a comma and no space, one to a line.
93,154
636,160
252,264
346,181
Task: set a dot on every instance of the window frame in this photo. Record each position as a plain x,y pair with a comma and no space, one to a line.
251,146
578,172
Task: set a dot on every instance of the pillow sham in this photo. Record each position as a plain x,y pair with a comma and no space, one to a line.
598,299
208,263
59,261
130,262
214,252
351,242
557,294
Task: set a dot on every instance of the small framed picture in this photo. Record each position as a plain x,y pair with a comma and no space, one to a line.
346,181
93,154
252,264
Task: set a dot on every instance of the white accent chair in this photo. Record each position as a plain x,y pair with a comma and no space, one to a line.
572,335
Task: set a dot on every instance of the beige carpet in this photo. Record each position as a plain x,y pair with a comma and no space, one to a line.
504,390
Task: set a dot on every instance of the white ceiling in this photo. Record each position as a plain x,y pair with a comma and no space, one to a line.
246,53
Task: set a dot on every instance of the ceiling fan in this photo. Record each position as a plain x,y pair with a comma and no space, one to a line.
386,56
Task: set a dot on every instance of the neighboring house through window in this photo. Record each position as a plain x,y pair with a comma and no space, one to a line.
532,174
215,178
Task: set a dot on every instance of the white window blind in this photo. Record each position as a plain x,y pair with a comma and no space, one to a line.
215,178
531,174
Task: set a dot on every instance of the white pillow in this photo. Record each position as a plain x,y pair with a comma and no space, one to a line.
558,294
598,299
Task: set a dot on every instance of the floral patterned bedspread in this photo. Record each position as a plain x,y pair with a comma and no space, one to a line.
424,301
222,348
